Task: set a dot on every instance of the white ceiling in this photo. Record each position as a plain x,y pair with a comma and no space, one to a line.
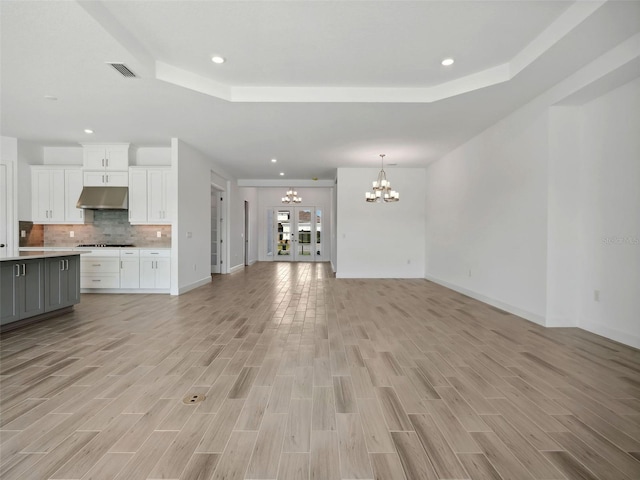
317,85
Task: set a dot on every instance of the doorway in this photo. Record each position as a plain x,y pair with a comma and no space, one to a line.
216,230
246,233
298,234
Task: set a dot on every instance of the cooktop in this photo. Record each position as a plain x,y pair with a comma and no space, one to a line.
114,245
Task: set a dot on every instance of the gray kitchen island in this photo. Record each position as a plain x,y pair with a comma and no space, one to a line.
37,285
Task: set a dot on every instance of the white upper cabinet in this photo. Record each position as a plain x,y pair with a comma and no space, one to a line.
55,192
111,157
106,179
150,195
47,188
106,165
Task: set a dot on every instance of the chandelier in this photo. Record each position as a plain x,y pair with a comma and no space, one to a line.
291,197
382,187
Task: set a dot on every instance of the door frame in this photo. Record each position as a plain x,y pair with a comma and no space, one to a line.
9,201
294,234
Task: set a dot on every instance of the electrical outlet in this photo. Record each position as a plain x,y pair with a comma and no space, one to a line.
596,295
23,233
72,233
158,234
189,234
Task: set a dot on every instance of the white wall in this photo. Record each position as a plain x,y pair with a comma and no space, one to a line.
28,154
486,216
380,240
151,156
269,198
191,228
250,194
610,205
63,155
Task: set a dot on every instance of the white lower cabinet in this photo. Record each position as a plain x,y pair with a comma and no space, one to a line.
155,268
130,268
100,268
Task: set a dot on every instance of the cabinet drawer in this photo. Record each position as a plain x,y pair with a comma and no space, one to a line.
105,280
129,253
100,265
155,253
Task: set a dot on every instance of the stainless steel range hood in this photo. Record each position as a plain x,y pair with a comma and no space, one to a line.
104,198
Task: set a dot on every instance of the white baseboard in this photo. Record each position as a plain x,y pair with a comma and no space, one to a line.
532,317
237,268
611,333
126,291
191,286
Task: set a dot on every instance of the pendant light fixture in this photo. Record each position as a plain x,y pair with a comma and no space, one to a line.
382,187
291,197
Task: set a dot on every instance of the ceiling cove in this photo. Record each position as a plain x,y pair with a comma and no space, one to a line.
151,67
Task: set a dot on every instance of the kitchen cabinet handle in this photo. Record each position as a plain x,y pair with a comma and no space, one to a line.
107,178
153,253
120,264
96,264
103,162
66,264
102,178
61,265
107,165
17,265
96,280
24,269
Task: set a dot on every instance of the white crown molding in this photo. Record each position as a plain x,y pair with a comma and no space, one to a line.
552,34
244,182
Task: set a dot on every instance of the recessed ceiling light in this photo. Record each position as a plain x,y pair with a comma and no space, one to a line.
88,130
274,160
217,59
282,174
50,97
447,61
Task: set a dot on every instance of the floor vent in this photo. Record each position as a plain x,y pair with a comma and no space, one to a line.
191,399
123,70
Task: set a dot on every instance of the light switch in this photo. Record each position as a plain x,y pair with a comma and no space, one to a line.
158,234
23,233
72,233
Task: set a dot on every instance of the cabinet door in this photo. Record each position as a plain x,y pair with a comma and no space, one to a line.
163,273
116,179
72,274
95,157
137,195
94,179
117,157
32,300
9,279
57,196
156,196
167,189
72,191
130,272
147,273
41,192
55,286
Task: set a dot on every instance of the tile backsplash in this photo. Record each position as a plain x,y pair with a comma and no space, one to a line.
109,226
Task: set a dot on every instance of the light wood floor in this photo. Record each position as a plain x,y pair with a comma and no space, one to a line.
310,377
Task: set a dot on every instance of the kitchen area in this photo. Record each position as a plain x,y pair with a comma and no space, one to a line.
98,224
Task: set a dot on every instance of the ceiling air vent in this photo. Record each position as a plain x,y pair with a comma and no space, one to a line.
123,70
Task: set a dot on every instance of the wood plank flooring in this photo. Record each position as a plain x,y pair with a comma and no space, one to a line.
305,376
